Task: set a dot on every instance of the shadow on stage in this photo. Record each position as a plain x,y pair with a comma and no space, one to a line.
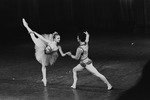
141,90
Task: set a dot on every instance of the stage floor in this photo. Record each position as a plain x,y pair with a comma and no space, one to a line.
120,60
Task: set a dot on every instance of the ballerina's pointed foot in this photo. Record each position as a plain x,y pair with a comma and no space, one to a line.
44,82
73,86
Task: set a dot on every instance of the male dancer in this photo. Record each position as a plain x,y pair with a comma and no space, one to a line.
85,62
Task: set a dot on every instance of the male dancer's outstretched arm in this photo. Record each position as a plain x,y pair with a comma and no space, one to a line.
78,54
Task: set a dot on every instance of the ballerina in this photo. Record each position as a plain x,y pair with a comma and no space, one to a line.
46,48
85,62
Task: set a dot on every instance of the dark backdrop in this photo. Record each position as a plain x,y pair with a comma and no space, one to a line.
71,16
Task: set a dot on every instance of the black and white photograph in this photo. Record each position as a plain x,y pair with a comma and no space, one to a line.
74,49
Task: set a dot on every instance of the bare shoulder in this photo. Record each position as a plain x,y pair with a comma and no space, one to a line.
80,49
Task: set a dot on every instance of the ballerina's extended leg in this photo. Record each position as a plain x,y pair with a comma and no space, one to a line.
26,25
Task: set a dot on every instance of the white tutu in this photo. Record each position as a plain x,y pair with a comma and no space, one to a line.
41,56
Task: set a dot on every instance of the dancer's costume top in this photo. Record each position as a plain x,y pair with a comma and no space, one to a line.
84,49
84,59
46,53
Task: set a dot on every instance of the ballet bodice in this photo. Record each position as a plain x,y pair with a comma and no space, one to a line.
53,46
84,51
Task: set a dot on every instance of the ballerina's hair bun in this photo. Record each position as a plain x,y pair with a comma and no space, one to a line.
55,34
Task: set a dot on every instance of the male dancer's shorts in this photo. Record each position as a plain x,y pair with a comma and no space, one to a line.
86,62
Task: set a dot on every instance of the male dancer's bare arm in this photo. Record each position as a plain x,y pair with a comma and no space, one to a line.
78,54
87,37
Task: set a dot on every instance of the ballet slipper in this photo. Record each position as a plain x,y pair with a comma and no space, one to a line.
109,87
73,86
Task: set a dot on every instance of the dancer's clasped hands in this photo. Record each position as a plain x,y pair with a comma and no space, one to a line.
68,53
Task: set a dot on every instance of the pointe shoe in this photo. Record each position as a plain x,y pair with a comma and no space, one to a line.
26,25
44,82
74,87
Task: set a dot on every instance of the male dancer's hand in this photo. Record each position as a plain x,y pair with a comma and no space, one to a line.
69,53
86,33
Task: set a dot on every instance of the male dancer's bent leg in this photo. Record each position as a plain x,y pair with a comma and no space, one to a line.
75,70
